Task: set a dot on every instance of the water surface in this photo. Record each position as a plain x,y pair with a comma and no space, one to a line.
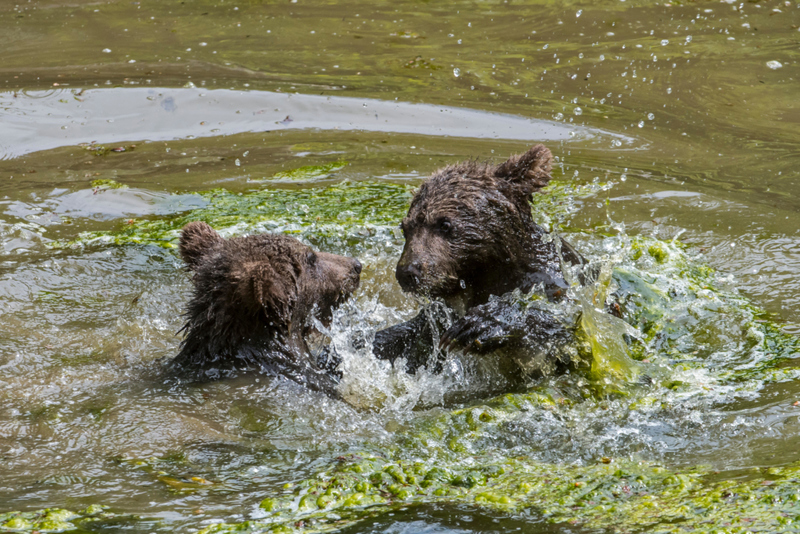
688,112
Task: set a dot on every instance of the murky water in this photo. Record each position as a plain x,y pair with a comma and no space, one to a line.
669,120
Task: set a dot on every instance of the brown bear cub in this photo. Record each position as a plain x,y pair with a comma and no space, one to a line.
470,236
252,303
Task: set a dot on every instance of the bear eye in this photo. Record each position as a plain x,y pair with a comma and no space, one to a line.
445,226
311,258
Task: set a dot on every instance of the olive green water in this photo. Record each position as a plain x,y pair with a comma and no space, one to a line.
669,120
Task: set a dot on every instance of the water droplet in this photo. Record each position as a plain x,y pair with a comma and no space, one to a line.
688,38
650,116
669,90
774,64
132,61
246,152
456,72
107,50
623,177
617,142
559,116
237,162
203,44
579,13
664,42
577,111
463,284
641,124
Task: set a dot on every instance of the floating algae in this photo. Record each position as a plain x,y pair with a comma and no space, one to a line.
622,495
53,520
316,211
351,209
306,174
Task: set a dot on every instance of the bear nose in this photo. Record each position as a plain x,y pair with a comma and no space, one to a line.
357,266
415,269
409,275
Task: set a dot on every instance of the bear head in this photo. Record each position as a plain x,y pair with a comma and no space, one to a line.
469,231
255,288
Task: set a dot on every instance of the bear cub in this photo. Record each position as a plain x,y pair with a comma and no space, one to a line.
252,303
469,237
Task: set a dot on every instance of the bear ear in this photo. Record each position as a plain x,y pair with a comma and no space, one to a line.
530,171
196,238
261,286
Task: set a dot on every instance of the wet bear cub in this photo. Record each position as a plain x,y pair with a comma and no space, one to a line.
252,303
469,237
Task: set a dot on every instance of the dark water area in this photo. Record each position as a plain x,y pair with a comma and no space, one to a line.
676,131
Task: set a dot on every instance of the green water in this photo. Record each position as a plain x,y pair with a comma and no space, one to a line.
676,130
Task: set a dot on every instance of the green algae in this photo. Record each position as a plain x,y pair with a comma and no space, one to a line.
52,520
359,209
307,173
106,183
610,362
313,210
690,319
624,496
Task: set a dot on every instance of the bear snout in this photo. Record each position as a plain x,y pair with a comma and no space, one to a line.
344,274
409,275
355,277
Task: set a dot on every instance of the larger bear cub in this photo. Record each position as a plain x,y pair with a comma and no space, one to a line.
253,300
469,237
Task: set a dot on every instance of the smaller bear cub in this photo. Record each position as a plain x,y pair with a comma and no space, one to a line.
252,301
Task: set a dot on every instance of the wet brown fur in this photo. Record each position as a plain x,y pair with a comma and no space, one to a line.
252,301
469,232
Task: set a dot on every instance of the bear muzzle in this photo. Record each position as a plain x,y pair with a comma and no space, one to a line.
409,276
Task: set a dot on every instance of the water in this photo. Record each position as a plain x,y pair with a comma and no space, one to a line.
668,121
